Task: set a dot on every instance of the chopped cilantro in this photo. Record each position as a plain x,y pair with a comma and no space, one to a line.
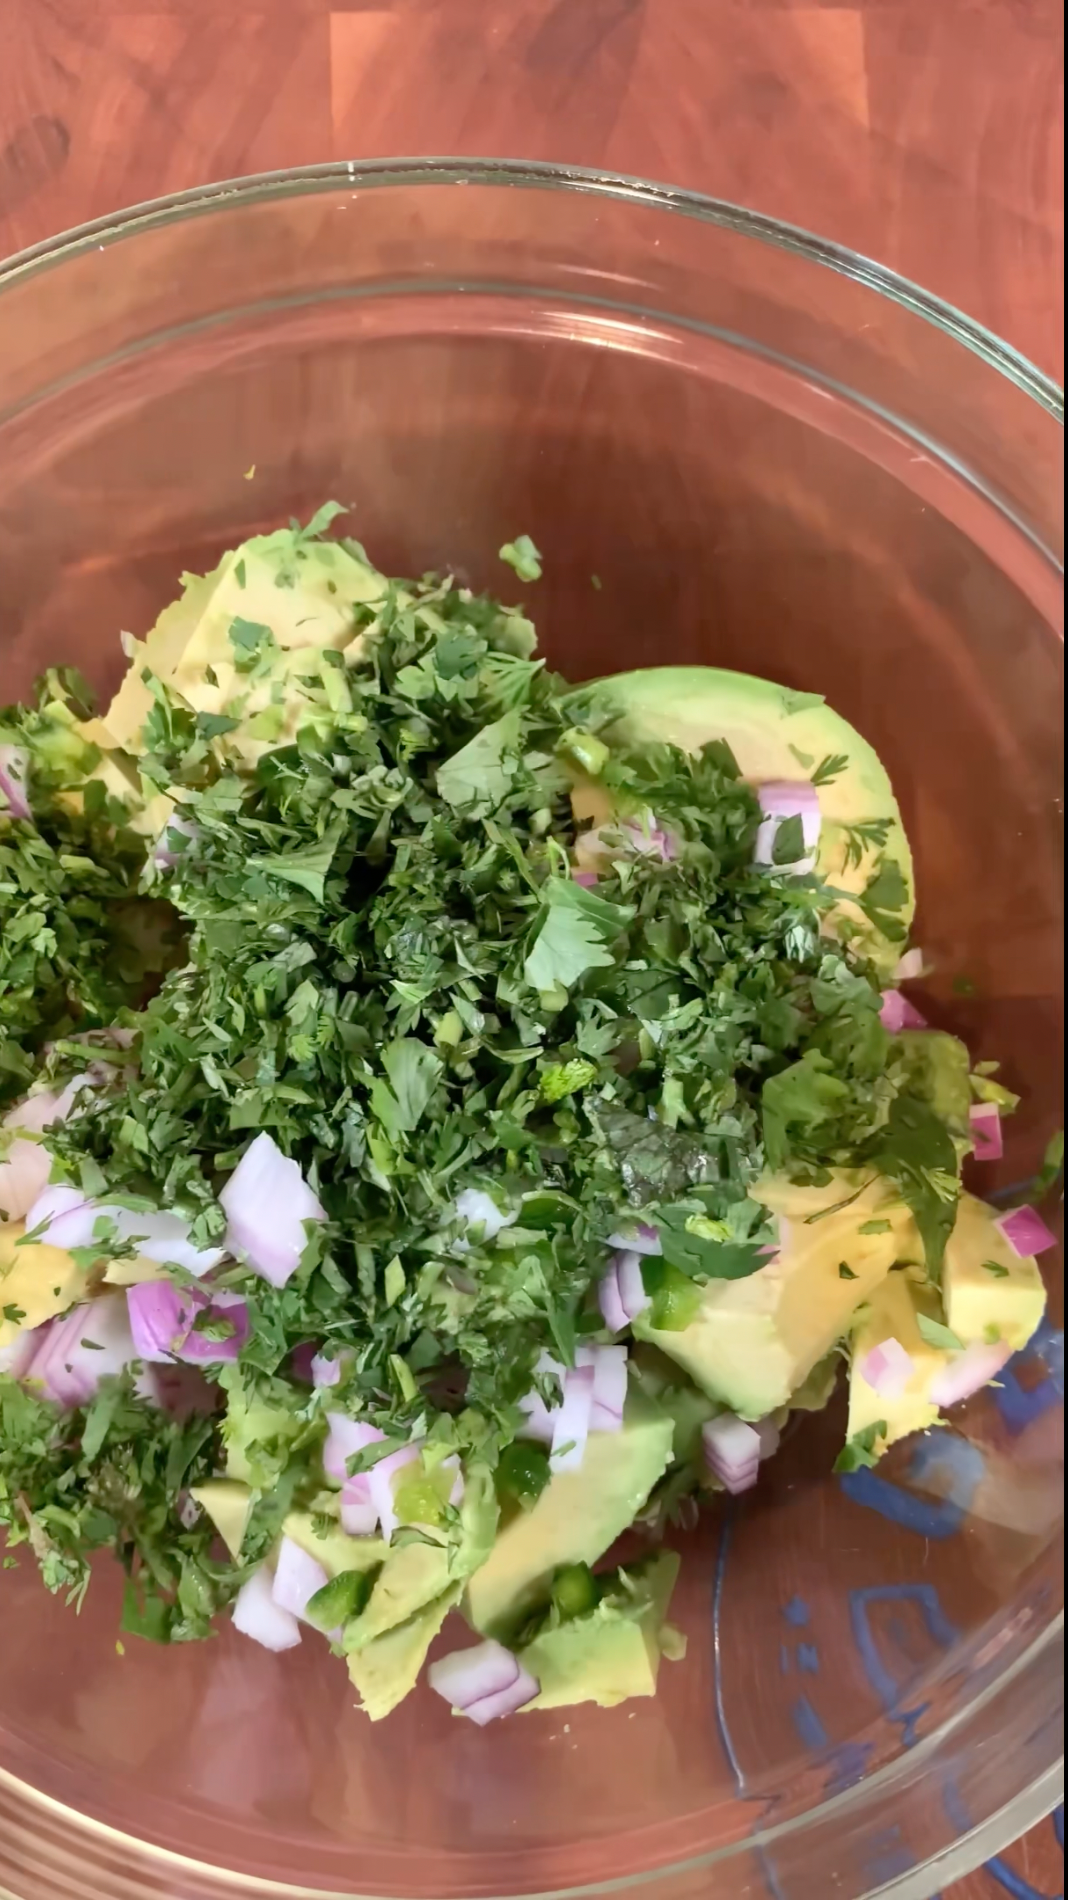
934,1333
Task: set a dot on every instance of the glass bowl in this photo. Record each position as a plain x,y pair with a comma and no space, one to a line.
774,456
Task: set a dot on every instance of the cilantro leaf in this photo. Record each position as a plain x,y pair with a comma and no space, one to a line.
479,776
574,929
413,1070
934,1333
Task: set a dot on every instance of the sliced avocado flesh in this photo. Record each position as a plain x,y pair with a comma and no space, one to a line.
686,706
988,1290
388,1668
334,1549
251,1427
228,1503
610,1654
415,1573
305,592
755,1341
40,1281
892,1313
576,1519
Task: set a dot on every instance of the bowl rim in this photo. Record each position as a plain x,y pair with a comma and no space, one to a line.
999,1829
379,173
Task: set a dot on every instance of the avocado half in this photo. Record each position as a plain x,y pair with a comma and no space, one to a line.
776,734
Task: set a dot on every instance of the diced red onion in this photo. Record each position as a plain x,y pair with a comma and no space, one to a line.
632,1294
651,840
640,1239
613,1311
26,1166
987,1140
910,967
164,855
780,800
180,1390
74,1353
456,1493
483,1683
345,1437
14,766
967,1372
17,1356
732,1451
541,1418
326,1371
587,879
769,1435
297,1577
887,1368
67,1219
571,1421
163,1323
256,1614
479,1209
380,1483
898,1013
1026,1232
188,1511
359,1512
609,1385
267,1202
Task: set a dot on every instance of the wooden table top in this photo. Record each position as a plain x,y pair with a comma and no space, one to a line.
926,133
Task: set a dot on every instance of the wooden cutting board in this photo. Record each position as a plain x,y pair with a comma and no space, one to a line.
926,133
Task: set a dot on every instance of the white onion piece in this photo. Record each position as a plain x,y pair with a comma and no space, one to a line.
910,967
632,1294
769,1435
17,1355
640,1239
266,1202
380,1484
456,1492
69,1218
968,1372
613,1311
609,1385
897,1013
731,1447
296,1578
359,1512
256,1614
325,1371
345,1437
988,1142
482,1683
478,1209
14,769
1026,1232
571,1421
779,801
74,1353
540,1418
25,1169
887,1368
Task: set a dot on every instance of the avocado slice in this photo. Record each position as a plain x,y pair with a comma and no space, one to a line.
251,1428
576,1519
39,1281
228,1503
334,1549
892,1313
304,591
415,1573
775,735
388,1668
614,1651
755,1341
986,1287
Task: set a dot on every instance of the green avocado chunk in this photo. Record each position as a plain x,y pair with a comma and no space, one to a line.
576,1519
416,1572
936,1068
777,735
611,1653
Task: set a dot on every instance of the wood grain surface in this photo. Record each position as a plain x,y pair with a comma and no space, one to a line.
927,133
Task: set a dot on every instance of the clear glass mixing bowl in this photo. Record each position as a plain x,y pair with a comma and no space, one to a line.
777,457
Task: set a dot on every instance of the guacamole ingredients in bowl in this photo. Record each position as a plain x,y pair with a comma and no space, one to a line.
452,1117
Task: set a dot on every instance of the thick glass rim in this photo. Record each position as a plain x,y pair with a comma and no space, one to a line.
998,1830
370,174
